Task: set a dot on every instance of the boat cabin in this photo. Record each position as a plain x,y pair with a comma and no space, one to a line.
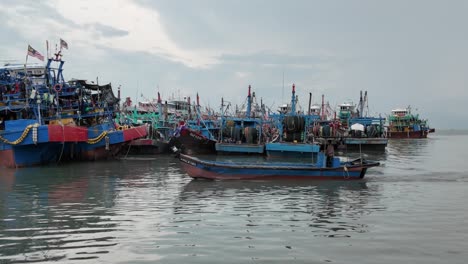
284,109
315,110
346,107
400,112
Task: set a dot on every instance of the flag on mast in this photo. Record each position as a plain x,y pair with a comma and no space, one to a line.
34,53
63,44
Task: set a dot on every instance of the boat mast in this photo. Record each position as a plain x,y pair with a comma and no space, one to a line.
249,104
160,111
222,120
323,107
361,105
293,99
366,103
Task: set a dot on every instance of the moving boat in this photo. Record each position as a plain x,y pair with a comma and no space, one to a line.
351,170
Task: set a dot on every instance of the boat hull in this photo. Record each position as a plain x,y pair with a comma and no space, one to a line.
408,134
376,144
100,147
39,144
197,168
146,146
192,143
30,155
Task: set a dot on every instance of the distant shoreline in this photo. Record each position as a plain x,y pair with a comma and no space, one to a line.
451,132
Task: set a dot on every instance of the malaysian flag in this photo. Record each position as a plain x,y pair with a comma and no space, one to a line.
63,44
35,53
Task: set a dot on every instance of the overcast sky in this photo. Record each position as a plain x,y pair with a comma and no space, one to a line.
402,52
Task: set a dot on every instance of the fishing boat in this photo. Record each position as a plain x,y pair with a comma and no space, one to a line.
196,136
150,115
25,139
352,170
291,129
45,119
366,133
241,133
353,128
80,103
404,124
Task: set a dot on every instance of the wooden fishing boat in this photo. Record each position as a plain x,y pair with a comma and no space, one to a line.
404,124
353,170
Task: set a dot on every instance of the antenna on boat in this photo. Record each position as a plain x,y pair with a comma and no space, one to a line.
282,91
118,96
97,83
47,48
136,95
323,107
249,104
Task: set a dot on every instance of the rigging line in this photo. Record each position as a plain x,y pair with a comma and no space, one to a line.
63,142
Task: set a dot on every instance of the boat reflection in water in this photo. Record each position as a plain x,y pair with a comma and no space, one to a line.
329,209
52,214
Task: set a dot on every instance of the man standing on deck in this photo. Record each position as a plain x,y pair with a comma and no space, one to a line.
330,152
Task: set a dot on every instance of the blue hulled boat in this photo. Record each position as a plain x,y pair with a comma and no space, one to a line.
353,170
26,139
45,119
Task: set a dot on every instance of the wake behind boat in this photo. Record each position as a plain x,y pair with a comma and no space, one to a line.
352,170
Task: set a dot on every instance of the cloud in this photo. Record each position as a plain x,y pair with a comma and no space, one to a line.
108,31
275,59
400,52
121,25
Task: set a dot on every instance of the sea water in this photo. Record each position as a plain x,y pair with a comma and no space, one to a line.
411,209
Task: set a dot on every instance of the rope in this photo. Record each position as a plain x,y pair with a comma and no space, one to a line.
130,145
98,138
63,143
21,138
347,172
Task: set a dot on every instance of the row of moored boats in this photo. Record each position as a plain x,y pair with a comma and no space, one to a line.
45,119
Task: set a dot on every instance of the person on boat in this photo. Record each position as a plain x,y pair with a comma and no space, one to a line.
330,153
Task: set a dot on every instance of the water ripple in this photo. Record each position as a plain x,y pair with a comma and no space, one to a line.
147,211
